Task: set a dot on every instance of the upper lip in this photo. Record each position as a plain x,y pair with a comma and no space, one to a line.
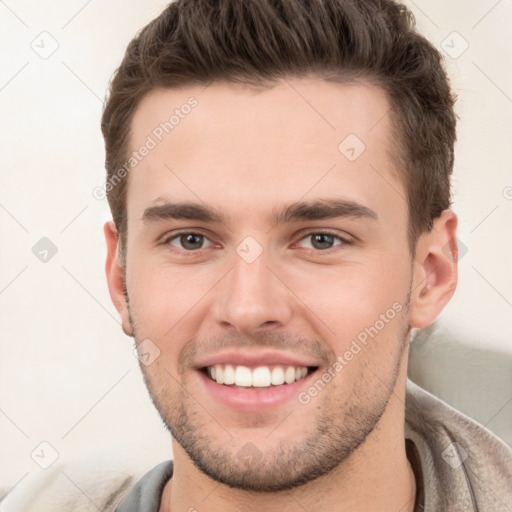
266,358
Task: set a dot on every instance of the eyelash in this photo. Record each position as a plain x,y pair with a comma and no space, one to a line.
344,241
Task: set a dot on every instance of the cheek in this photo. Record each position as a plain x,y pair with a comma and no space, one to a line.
164,297
349,298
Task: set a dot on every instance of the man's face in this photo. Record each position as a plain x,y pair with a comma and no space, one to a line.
257,281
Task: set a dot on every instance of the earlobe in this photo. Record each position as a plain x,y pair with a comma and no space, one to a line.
434,270
115,277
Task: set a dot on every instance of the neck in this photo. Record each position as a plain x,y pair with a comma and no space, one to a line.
377,476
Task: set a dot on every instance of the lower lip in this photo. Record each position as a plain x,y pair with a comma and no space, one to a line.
254,399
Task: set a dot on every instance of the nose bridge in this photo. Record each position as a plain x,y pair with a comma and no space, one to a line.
252,296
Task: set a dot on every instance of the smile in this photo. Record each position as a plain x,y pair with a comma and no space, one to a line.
239,376
255,389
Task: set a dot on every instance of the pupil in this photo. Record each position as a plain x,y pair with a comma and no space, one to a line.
191,241
322,241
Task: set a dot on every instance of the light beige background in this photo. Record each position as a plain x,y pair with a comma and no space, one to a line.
67,372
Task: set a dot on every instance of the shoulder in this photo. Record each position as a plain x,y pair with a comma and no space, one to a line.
99,481
146,494
457,450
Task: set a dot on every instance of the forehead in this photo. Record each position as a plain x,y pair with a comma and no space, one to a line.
236,147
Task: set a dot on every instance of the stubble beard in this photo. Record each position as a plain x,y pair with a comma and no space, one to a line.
340,428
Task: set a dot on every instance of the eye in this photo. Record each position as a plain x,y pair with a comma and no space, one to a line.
188,241
322,241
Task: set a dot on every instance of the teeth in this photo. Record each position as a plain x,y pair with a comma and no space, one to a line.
277,375
289,375
260,377
243,376
229,374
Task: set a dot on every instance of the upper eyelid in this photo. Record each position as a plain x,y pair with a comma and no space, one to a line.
325,232
345,237
166,239
345,240
175,234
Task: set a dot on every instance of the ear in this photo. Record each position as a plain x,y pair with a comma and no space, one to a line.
115,277
434,270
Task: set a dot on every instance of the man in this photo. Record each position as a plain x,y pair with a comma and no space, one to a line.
278,175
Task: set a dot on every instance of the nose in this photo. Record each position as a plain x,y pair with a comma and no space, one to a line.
252,297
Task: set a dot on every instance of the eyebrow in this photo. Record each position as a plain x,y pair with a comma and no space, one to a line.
299,211
322,209
185,210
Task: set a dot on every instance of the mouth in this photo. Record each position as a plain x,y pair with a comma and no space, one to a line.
256,388
256,378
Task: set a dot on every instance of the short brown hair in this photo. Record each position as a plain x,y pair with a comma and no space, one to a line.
256,42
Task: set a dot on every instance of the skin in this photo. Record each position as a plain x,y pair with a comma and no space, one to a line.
246,153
